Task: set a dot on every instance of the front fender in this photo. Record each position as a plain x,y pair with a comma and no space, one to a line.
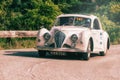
40,37
85,37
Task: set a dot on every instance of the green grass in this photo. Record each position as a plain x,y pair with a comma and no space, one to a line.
15,43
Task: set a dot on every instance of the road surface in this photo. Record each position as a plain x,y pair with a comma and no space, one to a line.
24,64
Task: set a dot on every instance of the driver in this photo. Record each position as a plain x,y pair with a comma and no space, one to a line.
70,21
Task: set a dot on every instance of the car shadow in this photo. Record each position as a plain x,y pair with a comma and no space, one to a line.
34,54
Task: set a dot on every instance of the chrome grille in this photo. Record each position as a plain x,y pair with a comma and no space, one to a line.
59,38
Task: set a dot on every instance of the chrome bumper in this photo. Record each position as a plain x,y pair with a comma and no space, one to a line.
58,49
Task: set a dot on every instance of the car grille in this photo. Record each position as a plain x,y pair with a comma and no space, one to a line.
59,38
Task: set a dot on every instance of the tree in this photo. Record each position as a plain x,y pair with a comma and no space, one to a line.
115,12
27,14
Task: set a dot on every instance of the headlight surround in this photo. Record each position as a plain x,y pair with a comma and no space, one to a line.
47,36
74,38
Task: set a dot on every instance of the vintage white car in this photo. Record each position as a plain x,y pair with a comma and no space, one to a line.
74,33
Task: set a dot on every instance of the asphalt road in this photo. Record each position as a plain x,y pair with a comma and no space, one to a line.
24,64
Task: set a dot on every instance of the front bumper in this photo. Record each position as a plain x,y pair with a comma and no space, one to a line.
58,49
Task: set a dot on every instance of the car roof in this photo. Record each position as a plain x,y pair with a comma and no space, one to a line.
78,15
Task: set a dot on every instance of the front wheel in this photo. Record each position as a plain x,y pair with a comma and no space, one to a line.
41,53
86,55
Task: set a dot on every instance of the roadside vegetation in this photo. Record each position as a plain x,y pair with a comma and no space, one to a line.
33,14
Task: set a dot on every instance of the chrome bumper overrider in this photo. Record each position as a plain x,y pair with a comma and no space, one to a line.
59,49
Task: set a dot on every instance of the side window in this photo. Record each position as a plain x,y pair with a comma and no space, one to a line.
96,24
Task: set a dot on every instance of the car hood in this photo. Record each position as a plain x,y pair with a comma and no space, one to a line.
69,29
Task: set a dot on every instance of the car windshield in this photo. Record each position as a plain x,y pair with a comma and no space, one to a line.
73,21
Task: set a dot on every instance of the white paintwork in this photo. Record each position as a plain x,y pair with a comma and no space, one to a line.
98,36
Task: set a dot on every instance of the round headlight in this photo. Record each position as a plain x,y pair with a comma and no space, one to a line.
74,38
47,36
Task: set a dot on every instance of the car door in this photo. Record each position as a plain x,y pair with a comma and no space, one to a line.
97,35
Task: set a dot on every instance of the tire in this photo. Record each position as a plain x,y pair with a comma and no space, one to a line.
42,53
102,53
86,56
